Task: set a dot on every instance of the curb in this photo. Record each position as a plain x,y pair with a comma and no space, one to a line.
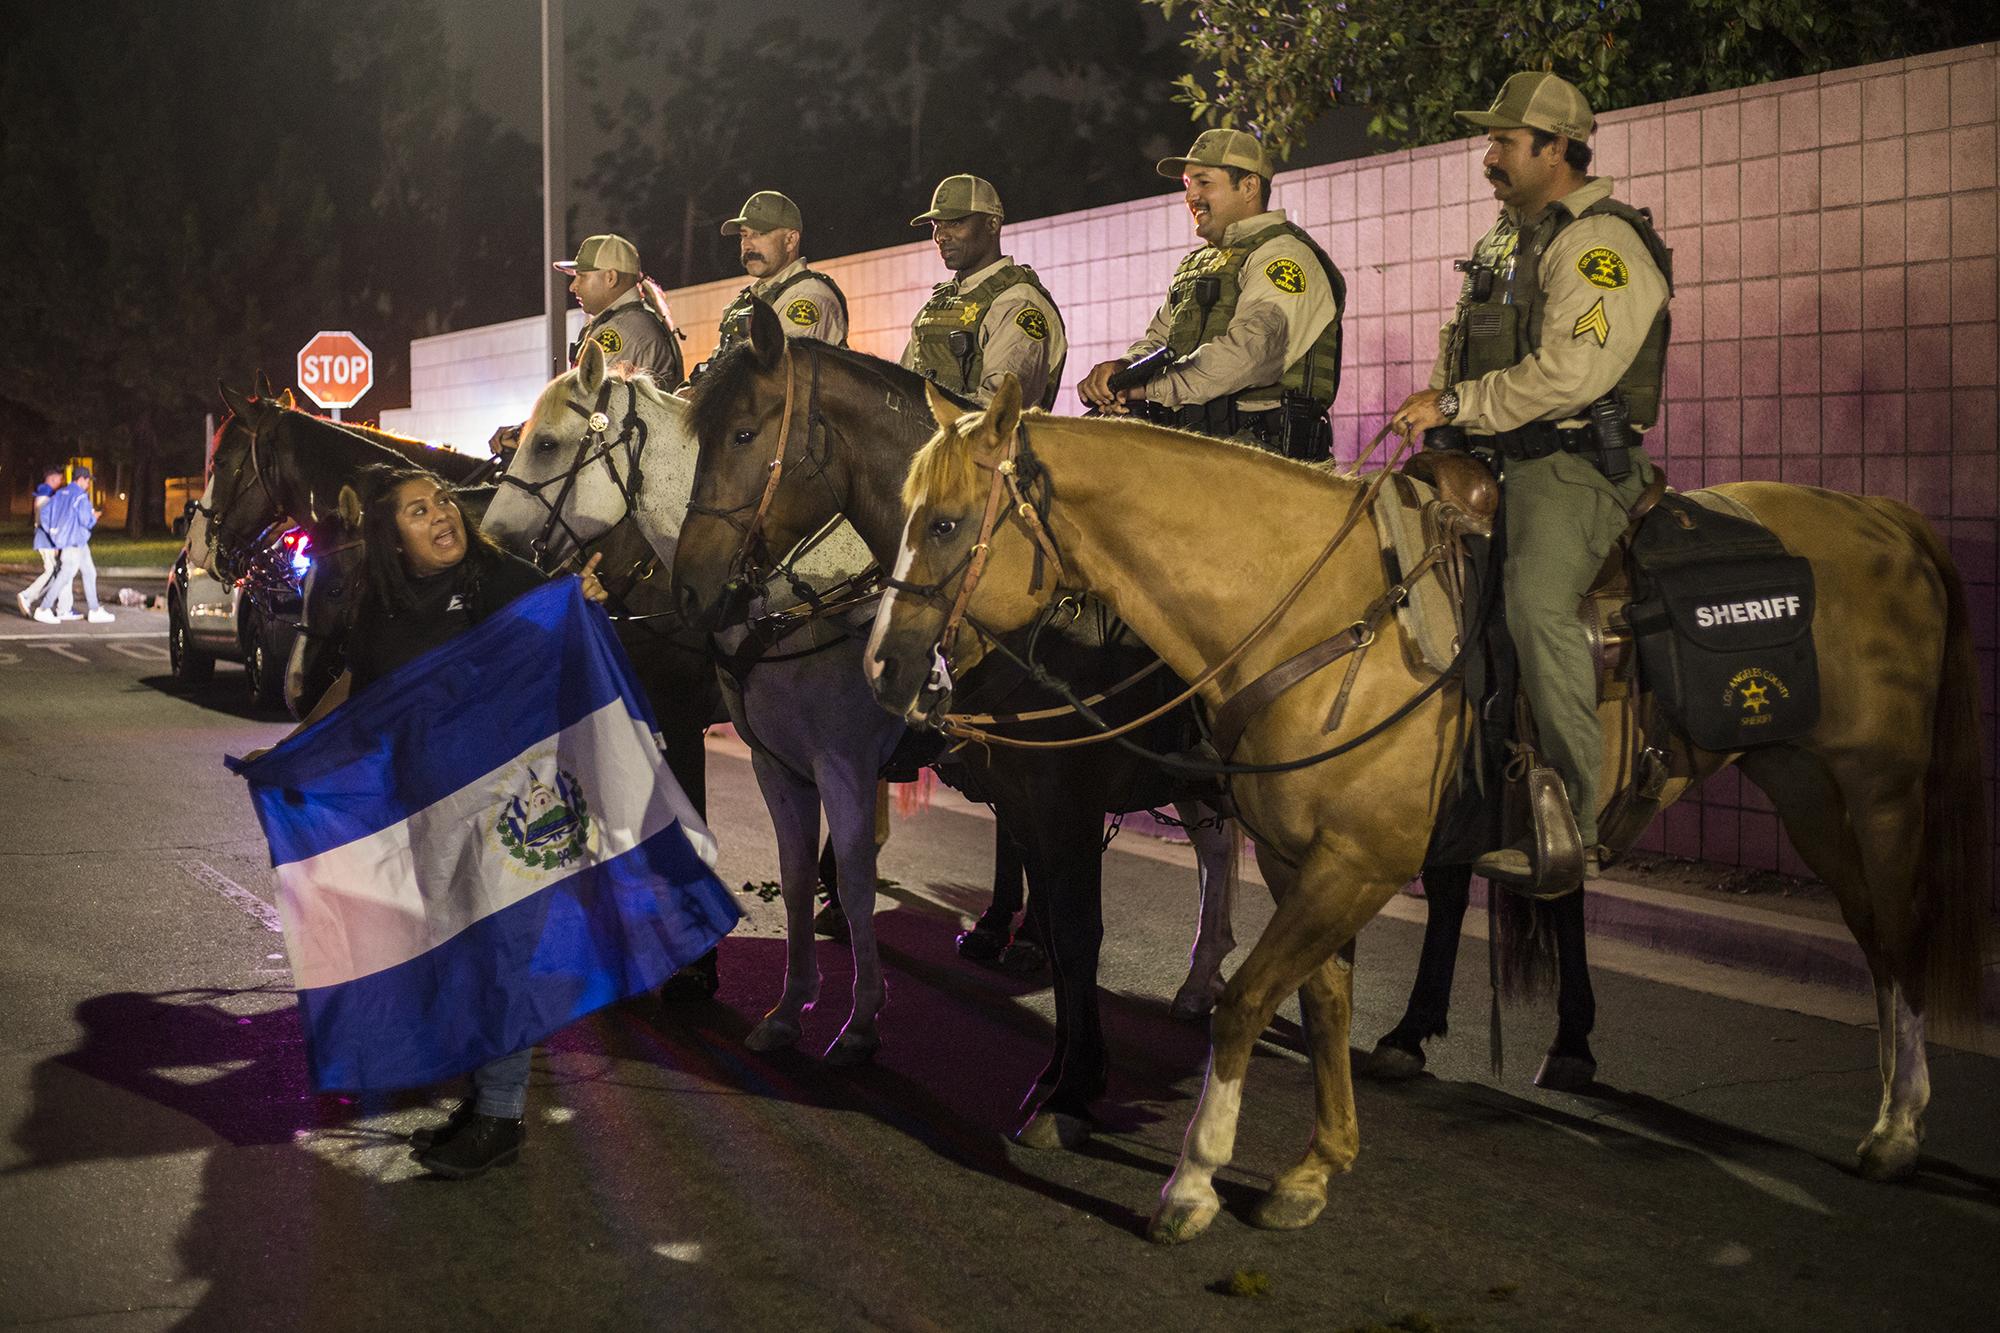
103,571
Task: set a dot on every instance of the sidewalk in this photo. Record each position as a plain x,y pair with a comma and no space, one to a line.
1797,955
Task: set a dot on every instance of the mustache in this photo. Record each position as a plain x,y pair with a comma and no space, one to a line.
1498,177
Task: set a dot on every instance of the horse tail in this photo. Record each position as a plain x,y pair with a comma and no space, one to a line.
1524,937
1952,876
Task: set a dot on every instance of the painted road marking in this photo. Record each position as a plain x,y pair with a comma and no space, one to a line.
60,650
141,652
83,637
246,902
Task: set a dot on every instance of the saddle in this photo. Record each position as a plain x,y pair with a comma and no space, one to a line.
1699,621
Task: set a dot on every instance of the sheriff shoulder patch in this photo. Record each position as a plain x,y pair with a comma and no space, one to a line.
1593,323
1033,323
1286,275
608,339
1603,268
803,312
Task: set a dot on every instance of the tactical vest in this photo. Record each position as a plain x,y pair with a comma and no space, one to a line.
950,311
676,369
1500,309
736,317
1199,310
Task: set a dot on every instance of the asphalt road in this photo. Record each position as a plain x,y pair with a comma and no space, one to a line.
166,1166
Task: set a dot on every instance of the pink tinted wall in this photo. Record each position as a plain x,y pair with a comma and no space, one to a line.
1835,322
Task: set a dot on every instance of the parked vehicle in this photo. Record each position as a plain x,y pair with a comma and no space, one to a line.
253,621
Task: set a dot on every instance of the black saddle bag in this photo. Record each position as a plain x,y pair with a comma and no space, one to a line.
1723,619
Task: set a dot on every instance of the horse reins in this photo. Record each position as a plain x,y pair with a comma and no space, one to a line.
964,726
596,445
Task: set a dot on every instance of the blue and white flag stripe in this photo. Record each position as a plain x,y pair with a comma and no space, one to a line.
481,848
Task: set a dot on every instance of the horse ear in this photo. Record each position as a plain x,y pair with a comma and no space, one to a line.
591,367
1005,412
943,410
767,337
350,508
239,405
286,401
263,386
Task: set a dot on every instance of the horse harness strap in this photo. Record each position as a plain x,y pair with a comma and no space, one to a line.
956,726
1241,708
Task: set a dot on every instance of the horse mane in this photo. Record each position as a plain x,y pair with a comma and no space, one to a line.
944,472
557,391
731,376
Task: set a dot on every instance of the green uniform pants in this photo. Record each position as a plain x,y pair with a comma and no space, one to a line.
1562,518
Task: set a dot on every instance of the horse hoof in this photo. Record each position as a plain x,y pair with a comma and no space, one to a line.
850,1051
1883,1157
1024,958
980,945
1389,1063
1288,1210
1047,1131
1565,1073
1194,1003
831,922
1176,1222
773,1035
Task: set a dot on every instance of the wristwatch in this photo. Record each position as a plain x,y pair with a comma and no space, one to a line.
1447,405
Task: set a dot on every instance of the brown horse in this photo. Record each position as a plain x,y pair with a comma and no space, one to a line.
1194,541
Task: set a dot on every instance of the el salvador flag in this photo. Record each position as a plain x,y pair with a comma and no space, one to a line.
481,848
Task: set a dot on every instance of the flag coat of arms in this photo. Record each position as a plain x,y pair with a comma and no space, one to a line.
481,848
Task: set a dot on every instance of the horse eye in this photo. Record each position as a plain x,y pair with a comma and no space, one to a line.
745,436
941,528
545,444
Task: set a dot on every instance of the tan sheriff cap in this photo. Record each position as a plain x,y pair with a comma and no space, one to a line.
602,252
961,196
766,210
1222,148
1536,101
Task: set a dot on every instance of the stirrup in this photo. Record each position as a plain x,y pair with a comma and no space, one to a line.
1550,862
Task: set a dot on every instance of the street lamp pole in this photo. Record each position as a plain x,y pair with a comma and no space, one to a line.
555,190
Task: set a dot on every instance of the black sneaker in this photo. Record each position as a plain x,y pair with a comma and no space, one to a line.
693,984
480,1144
429,1134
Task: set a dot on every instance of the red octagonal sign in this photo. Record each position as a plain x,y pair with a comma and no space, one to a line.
335,369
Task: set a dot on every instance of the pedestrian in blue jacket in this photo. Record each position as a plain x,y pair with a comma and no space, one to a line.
69,518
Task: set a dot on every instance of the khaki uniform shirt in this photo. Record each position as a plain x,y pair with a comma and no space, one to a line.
1271,329
630,335
1596,311
811,310
1022,335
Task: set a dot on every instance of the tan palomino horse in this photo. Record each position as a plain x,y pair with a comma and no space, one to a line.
1193,541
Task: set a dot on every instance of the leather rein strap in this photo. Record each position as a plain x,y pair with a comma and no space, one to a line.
960,725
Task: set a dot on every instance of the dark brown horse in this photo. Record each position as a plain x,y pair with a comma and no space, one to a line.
845,426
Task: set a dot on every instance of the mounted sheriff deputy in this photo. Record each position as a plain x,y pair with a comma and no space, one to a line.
1553,361
628,314
769,233
994,318
1248,342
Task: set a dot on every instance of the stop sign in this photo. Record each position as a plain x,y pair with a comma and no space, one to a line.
335,369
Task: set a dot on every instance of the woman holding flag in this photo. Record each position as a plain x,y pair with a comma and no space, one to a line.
485,847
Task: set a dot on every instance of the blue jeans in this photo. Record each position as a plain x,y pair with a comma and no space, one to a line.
501,1088
75,560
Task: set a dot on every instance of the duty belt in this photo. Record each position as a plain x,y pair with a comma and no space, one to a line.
1539,439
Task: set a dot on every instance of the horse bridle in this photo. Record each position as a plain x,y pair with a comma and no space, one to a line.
220,535
596,444
752,561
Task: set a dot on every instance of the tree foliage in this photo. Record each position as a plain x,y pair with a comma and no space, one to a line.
1060,103
193,190
1276,67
